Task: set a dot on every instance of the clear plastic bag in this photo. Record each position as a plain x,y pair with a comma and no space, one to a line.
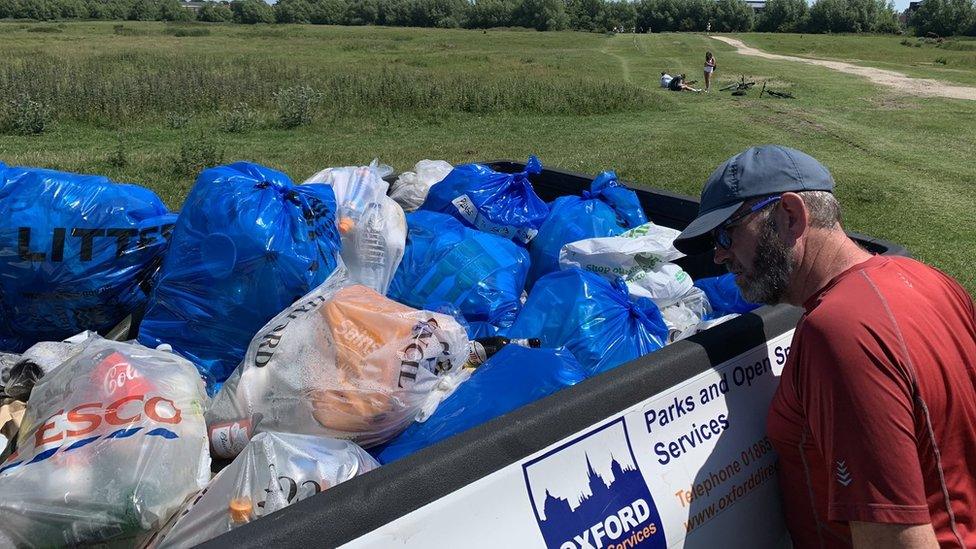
372,225
344,362
685,316
11,414
411,188
112,442
274,471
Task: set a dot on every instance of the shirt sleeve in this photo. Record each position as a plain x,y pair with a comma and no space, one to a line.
857,393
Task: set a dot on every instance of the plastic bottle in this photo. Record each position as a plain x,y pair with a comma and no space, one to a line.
371,248
484,348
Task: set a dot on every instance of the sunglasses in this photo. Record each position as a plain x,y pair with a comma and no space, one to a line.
721,235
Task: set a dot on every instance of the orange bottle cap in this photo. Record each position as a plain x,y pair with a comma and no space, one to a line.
240,509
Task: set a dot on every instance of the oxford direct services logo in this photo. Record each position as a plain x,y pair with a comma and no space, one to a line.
590,494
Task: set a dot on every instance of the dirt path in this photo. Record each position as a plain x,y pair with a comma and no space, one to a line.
922,87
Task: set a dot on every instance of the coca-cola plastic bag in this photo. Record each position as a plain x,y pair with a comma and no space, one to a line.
344,362
112,442
373,226
274,471
411,188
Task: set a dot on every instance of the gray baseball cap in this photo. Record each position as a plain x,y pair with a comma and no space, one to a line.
755,172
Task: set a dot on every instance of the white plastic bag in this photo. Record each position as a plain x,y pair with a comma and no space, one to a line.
344,362
704,325
112,442
19,373
685,315
373,227
411,188
641,256
274,471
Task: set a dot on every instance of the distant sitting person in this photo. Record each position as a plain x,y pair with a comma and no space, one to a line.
678,84
665,79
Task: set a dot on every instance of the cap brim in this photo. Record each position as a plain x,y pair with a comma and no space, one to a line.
697,237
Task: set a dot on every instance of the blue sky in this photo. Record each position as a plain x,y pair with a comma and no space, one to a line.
900,5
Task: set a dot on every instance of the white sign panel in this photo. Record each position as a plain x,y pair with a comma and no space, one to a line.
690,466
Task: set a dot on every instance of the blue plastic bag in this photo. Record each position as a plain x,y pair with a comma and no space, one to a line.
77,252
247,244
624,201
512,378
494,202
607,209
447,264
592,317
724,296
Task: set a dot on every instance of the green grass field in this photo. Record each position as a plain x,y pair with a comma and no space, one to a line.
140,105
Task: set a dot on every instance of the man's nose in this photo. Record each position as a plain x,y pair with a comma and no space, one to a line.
721,255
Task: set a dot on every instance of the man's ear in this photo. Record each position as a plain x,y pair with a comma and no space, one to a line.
792,217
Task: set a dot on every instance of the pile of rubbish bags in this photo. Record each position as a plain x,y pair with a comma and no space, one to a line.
297,334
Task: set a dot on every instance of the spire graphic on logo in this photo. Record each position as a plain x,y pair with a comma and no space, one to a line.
590,493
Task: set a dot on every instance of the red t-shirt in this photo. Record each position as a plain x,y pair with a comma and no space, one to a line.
874,419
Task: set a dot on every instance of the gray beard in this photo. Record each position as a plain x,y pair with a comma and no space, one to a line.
771,268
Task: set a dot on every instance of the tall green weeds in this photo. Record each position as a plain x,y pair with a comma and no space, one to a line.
118,87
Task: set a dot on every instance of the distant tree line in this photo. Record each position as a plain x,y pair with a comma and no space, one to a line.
944,17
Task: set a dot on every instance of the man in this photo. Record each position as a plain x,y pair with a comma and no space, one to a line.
678,84
874,419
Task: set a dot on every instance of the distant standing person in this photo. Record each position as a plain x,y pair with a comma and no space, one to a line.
709,69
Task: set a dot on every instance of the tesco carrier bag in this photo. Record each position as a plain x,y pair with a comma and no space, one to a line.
641,256
112,442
